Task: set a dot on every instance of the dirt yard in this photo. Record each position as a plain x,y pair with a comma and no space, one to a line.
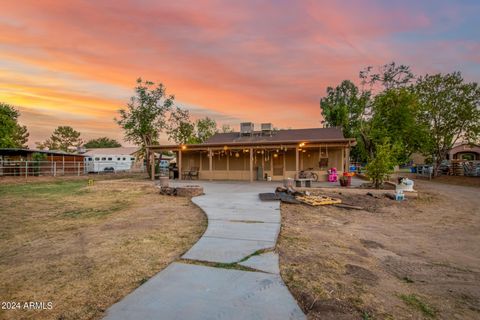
82,248
417,259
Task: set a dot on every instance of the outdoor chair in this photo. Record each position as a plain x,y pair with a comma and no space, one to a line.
193,173
190,174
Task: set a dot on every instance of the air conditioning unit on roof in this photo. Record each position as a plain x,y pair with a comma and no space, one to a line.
246,128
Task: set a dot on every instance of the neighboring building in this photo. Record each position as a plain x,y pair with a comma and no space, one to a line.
20,162
254,155
111,159
465,152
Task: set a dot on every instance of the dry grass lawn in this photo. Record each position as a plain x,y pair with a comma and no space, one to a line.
85,247
418,259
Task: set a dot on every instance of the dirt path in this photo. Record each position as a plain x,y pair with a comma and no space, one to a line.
416,259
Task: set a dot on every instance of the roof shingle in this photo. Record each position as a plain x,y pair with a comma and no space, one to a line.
290,135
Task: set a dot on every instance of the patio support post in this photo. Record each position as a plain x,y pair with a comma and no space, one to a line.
296,159
347,158
179,160
210,164
228,165
251,164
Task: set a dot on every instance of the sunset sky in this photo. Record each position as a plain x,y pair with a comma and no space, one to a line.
75,62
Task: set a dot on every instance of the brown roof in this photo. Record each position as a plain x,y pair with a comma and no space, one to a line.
280,136
288,136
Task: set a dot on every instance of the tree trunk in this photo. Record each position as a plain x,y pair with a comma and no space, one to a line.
147,164
442,155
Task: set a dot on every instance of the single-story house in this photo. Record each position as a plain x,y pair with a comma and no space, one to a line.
20,162
265,154
464,152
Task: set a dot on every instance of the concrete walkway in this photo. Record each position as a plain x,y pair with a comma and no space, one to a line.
239,225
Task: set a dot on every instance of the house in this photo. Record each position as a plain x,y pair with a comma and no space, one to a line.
464,152
256,155
111,159
24,162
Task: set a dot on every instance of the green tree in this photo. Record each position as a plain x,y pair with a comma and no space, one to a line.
388,76
450,109
181,129
380,166
344,106
226,128
38,158
146,115
395,114
12,134
103,142
205,128
63,138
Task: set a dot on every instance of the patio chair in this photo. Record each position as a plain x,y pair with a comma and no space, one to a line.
193,173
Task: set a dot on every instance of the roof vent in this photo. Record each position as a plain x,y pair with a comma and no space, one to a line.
267,128
246,128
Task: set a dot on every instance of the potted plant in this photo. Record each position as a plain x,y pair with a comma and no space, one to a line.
344,181
348,176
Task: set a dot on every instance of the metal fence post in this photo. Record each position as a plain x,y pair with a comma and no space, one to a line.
79,169
55,169
26,169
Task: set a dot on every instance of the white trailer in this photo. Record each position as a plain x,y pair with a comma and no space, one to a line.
109,160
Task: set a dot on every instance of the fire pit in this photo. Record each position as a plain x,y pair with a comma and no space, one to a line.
183,191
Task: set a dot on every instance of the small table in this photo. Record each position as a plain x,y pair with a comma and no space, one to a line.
307,183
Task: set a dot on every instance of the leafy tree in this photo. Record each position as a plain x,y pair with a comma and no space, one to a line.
388,76
383,108
344,107
181,129
146,115
102,142
38,157
205,128
395,116
450,109
226,128
63,138
380,166
12,135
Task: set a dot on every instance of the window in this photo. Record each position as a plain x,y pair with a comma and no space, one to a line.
133,159
109,159
89,159
118,159
97,158
124,158
103,159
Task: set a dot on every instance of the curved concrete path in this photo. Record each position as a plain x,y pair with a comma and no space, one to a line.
239,225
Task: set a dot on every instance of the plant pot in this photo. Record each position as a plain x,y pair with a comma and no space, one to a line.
345,182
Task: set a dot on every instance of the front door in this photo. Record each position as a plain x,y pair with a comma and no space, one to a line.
278,165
